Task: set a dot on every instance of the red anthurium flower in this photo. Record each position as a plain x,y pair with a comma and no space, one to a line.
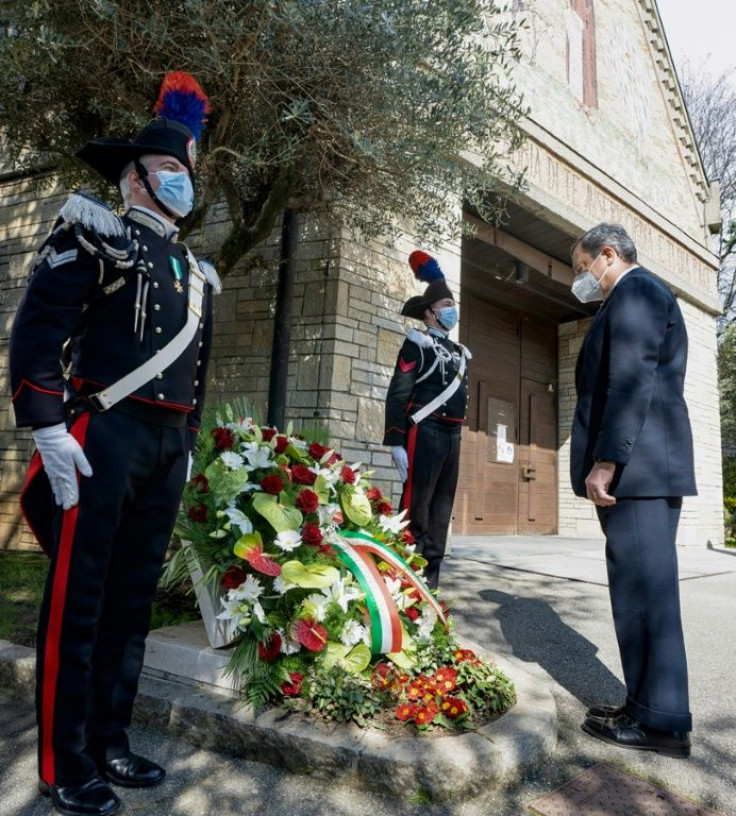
312,535
406,712
198,513
453,708
303,475
307,501
272,484
426,714
293,687
271,649
260,562
224,439
347,474
268,434
200,483
446,679
233,578
374,494
310,634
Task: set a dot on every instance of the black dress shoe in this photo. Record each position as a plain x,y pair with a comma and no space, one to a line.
626,732
94,798
132,771
605,712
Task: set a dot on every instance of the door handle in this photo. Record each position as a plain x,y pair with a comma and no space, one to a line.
528,472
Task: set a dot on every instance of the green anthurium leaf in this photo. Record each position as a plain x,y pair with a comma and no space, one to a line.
313,576
403,660
279,516
247,543
333,654
357,659
225,483
322,488
295,454
356,507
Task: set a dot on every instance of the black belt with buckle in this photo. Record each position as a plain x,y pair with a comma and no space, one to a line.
85,401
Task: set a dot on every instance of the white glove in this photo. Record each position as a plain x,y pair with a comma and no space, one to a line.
62,456
401,460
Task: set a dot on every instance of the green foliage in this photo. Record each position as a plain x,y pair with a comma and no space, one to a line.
365,112
342,697
22,579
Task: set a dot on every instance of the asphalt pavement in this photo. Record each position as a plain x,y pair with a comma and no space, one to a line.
542,602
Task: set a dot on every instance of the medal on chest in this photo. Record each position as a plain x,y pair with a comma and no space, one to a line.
176,272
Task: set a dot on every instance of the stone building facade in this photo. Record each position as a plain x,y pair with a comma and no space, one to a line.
608,139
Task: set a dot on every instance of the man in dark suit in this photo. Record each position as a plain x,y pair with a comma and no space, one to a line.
113,440
632,455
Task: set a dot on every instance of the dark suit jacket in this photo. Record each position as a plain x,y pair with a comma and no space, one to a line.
629,378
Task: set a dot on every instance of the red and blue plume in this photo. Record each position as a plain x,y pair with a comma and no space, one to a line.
182,99
425,267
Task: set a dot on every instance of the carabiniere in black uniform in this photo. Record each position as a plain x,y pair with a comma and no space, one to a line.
427,365
117,287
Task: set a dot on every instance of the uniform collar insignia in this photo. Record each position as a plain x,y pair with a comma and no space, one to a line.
148,218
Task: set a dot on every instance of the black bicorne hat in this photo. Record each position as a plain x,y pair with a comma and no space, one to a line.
182,108
426,269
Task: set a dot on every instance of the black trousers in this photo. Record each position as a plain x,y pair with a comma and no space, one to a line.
645,598
433,450
95,615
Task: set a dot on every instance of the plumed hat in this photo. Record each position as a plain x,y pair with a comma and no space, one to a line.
427,270
182,109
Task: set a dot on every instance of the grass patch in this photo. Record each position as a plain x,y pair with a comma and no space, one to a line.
22,579
731,543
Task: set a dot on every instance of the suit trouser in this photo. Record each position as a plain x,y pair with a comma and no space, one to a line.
102,579
643,582
433,449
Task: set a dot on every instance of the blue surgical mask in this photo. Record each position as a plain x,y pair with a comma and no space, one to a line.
447,317
175,191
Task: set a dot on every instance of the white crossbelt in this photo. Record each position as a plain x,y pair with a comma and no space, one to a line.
171,351
431,407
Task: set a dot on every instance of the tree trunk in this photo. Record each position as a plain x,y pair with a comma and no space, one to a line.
282,322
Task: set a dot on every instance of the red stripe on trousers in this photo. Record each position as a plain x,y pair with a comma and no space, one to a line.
53,631
411,445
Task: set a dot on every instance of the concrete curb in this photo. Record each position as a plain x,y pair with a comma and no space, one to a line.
443,767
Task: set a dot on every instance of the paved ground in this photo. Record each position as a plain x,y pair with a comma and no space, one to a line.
541,601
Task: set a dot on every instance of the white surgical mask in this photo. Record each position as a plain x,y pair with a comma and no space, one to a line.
586,287
175,191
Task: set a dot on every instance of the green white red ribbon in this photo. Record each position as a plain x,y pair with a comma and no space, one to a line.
355,550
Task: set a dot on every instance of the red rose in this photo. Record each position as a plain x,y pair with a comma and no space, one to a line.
307,501
407,536
292,688
271,649
268,434
272,484
412,613
303,475
347,474
384,508
317,451
198,513
312,535
200,483
282,443
224,439
374,494
334,458
233,578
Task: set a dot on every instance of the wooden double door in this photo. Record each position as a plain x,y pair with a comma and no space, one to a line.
508,465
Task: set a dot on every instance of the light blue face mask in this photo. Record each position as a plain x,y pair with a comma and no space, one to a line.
175,191
447,317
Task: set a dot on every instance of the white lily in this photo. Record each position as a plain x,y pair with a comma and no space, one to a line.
239,519
342,592
393,524
258,456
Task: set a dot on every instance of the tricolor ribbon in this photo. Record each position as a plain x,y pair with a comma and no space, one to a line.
355,550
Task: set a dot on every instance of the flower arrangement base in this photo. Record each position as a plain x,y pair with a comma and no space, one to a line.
209,601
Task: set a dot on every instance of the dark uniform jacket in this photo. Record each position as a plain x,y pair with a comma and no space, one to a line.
630,378
426,365
84,285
